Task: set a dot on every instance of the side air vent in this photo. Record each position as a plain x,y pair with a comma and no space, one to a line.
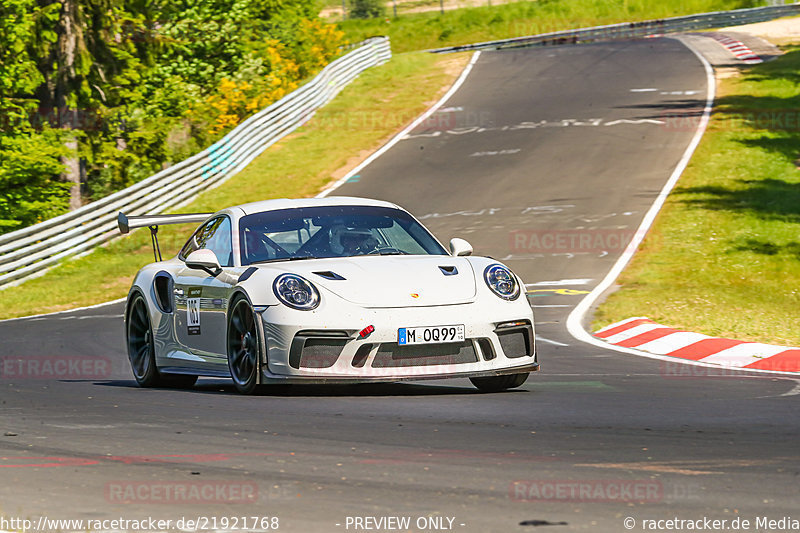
327,274
448,270
162,286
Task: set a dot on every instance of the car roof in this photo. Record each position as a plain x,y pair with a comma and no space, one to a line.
286,203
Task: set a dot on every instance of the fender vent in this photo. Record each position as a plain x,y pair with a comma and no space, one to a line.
327,274
163,284
449,270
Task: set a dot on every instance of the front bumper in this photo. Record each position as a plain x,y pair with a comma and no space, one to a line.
308,347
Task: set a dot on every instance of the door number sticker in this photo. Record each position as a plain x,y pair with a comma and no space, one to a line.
193,311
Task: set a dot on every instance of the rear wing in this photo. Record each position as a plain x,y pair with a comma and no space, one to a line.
126,224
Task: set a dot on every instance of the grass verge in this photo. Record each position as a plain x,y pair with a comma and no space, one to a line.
423,31
723,257
359,120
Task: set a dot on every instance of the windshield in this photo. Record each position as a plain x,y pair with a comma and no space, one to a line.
332,231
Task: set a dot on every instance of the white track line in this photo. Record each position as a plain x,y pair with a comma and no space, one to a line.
397,138
575,318
95,306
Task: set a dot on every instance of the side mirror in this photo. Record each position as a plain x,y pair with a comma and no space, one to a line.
204,259
460,247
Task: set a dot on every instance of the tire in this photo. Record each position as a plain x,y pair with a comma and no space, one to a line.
139,337
141,350
499,383
244,347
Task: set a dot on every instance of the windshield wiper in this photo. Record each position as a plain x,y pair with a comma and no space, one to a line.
292,258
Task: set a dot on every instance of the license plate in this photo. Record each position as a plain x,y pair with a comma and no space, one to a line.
430,334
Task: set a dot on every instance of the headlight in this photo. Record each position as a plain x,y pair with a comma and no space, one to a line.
502,282
296,292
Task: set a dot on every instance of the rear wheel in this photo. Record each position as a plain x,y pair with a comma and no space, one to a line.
140,344
141,350
499,383
243,346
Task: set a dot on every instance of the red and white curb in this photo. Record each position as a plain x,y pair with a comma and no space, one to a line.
644,335
738,49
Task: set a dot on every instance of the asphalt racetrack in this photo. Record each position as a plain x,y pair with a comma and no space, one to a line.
545,158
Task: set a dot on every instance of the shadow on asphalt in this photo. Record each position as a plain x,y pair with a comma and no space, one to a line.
300,391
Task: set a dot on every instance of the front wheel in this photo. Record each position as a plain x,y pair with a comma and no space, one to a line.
499,383
243,346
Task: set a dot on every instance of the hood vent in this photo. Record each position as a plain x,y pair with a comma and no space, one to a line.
448,270
327,274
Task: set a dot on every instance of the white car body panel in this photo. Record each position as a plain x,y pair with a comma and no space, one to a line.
389,281
387,292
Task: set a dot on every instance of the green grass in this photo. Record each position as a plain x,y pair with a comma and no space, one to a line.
361,118
723,257
422,31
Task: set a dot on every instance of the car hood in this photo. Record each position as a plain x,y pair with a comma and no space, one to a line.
392,281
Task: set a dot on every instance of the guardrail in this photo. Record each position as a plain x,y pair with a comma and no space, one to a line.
31,251
631,30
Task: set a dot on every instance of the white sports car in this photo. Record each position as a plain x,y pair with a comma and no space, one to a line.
329,290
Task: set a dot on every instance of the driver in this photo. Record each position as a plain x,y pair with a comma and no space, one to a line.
255,249
352,241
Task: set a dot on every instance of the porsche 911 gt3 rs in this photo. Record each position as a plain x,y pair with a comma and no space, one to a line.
327,290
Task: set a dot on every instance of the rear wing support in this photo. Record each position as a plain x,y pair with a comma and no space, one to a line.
127,223
154,240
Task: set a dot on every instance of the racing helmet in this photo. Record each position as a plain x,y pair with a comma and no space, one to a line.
351,241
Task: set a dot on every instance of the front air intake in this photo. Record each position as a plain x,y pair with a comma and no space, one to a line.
311,349
516,339
391,354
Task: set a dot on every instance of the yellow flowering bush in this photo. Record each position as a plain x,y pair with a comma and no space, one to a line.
278,72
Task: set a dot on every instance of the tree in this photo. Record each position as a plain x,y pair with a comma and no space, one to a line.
87,67
367,9
104,93
29,186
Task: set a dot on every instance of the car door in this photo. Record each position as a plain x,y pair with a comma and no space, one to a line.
201,297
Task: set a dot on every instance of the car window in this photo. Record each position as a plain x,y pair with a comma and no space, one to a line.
332,231
214,235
